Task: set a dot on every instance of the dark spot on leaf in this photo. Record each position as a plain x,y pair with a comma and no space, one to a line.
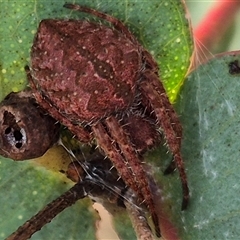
234,67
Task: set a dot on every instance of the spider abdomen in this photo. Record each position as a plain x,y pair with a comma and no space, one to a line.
86,69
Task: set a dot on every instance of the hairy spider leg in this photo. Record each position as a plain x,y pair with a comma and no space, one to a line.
77,192
46,215
137,217
45,103
110,149
155,93
133,158
114,21
152,67
126,161
150,63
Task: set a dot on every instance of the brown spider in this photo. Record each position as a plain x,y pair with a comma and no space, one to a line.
21,138
93,79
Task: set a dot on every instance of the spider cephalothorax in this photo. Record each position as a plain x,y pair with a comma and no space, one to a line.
92,78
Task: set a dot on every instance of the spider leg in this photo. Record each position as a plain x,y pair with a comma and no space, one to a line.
46,215
137,217
126,161
109,147
45,103
154,91
114,21
151,75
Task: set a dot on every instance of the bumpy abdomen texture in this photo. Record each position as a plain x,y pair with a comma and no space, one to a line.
85,70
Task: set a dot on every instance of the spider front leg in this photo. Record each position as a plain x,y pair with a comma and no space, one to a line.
114,21
137,217
45,103
46,215
153,90
119,149
112,152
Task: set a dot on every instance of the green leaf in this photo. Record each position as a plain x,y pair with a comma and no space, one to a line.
209,106
159,25
26,189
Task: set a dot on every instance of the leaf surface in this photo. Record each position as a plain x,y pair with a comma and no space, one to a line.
160,26
209,105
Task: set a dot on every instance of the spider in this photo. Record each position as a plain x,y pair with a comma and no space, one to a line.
21,138
97,178
95,80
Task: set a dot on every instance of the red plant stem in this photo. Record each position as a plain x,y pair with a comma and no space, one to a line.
214,25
